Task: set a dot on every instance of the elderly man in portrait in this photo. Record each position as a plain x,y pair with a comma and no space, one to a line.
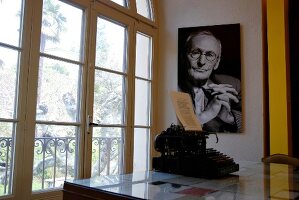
216,97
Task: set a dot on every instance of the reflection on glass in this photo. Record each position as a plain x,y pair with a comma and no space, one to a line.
11,13
107,151
142,102
141,190
141,176
120,2
55,150
143,56
111,46
58,85
61,30
9,60
6,157
109,98
141,149
144,8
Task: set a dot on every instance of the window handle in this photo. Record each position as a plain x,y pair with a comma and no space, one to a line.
89,124
93,124
89,121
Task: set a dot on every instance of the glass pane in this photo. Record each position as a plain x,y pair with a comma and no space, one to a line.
141,149
107,151
55,157
143,56
9,61
111,46
120,2
6,157
11,14
142,102
109,98
144,8
58,89
61,30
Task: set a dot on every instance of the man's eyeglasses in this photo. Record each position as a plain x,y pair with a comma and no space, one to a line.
210,55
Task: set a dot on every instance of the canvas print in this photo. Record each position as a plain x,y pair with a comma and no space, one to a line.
209,69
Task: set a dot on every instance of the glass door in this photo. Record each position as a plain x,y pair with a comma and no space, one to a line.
109,98
58,120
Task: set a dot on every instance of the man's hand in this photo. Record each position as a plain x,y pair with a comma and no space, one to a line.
219,105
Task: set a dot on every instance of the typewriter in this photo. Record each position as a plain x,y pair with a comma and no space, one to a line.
184,152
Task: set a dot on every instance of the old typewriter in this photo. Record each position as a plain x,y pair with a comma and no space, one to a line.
184,152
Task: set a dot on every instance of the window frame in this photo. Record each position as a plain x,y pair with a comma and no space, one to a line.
152,32
131,11
28,79
26,133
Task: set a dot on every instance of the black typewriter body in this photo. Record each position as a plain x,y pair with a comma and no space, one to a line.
184,152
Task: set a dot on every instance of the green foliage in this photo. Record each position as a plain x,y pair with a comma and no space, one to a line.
53,21
61,70
101,45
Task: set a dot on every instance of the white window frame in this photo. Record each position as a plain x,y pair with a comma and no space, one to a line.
25,133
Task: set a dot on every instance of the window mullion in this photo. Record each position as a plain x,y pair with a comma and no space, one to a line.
29,68
129,138
90,70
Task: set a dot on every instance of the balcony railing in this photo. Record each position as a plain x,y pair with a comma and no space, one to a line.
56,158
5,164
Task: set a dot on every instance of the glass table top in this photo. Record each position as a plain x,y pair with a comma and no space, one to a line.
252,181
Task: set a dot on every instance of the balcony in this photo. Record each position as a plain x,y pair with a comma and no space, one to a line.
56,158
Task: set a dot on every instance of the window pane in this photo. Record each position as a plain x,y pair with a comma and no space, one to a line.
11,14
120,2
109,98
9,61
143,56
107,151
144,8
59,96
142,102
110,46
55,157
6,157
141,149
58,89
10,20
61,30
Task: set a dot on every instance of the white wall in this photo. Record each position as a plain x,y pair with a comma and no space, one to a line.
174,14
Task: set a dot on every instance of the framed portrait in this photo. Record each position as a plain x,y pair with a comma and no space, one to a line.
209,69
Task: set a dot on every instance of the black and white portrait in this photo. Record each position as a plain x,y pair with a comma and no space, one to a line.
209,69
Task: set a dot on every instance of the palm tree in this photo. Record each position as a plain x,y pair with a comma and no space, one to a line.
52,25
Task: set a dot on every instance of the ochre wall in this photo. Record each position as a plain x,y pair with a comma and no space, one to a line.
277,59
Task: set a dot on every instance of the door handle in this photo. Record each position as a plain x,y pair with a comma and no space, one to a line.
89,124
93,124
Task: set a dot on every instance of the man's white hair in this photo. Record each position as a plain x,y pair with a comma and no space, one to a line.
202,33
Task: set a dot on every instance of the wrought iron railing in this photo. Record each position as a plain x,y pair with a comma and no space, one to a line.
55,160
5,164
107,155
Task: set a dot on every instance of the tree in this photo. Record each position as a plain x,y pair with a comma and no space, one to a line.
52,25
